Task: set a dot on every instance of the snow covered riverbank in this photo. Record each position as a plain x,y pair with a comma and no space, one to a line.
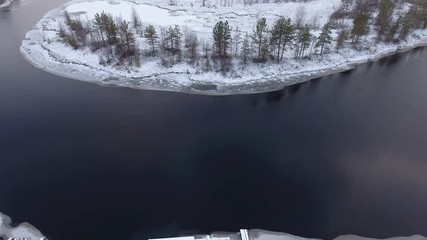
259,234
27,231
22,231
42,48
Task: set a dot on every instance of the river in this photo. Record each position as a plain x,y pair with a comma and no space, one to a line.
337,155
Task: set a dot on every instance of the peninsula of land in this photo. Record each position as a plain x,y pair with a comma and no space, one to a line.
219,46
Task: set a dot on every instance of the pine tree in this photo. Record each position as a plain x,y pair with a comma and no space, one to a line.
177,37
260,39
62,33
100,26
282,35
384,18
312,44
191,44
227,39
75,32
68,37
360,26
303,40
173,39
68,20
137,60
207,66
421,21
246,49
151,36
137,23
343,33
172,45
109,26
222,38
78,31
170,36
393,29
237,38
218,32
127,39
325,37
408,22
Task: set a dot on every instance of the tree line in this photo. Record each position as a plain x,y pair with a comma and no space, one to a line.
116,40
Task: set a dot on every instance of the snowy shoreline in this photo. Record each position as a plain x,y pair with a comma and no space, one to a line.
263,78
22,231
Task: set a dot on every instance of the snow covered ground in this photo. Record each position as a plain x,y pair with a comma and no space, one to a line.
5,3
256,234
27,231
354,237
42,48
22,231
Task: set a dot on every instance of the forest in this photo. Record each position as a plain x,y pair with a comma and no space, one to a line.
115,40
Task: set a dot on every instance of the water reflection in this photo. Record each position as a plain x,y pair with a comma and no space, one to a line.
393,59
276,96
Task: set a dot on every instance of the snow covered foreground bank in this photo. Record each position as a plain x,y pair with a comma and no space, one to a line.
22,231
27,231
257,234
42,48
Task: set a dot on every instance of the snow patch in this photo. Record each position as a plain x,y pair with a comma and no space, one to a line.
355,237
257,234
148,13
22,231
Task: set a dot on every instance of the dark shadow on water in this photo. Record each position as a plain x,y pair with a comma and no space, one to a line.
316,82
274,97
393,59
253,98
347,72
419,49
370,64
4,10
294,88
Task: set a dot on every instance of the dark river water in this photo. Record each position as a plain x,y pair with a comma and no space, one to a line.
337,155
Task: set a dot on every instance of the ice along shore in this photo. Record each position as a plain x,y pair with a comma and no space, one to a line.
42,47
